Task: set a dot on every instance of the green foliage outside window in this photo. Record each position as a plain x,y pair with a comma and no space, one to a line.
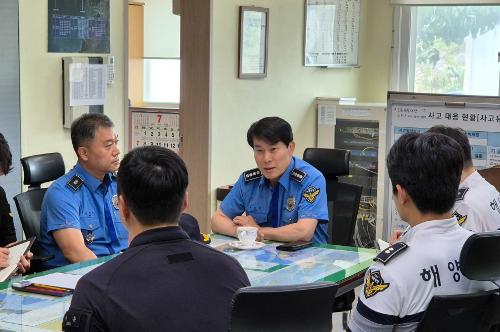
440,44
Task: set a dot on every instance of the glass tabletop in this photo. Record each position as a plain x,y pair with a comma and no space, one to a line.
266,266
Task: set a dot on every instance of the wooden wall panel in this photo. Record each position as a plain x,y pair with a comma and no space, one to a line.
195,112
136,54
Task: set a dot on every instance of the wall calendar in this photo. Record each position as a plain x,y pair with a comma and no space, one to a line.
158,127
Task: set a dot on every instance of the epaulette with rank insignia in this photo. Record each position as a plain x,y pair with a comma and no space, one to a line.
389,253
461,193
75,182
298,175
252,174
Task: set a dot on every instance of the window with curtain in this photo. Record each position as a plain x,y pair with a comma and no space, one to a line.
447,49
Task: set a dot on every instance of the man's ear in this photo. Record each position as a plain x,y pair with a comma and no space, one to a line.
82,153
402,194
124,210
291,146
185,202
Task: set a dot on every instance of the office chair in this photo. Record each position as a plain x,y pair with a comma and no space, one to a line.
343,205
304,307
470,312
343,198
37,170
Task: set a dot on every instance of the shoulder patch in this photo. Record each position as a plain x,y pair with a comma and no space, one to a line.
460,218
298,175
75,182
252,174
386,255
76,320
311,193
374,283
461,193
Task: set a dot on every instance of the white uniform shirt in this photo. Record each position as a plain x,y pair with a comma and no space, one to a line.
478,205
395,295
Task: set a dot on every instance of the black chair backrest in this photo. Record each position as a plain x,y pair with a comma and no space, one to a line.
306,307
29,207
470,312
37,170
477,258
42,168
459,313
343,198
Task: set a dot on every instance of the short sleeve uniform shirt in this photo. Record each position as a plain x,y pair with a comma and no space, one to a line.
302,195
400,284
478,205
79,200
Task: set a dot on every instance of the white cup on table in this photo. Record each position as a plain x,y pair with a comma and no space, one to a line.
247,235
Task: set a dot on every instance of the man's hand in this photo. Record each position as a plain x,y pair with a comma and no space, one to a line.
25,262
245,221
4,257
248,221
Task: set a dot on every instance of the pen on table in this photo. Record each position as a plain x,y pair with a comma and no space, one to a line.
45,290
51,287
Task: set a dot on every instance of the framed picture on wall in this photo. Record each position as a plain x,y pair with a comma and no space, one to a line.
253,35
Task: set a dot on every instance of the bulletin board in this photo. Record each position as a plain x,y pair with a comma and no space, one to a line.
479,116
152,126
331,33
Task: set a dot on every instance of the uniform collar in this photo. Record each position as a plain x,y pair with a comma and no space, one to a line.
284,178
432,226
474,176
89,180
168,233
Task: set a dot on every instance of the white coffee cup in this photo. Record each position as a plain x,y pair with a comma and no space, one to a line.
247,235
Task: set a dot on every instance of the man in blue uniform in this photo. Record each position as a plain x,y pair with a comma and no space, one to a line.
164,281
80,218
284,197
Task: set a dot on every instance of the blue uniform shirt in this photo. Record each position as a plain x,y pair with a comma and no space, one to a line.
302,196
76,200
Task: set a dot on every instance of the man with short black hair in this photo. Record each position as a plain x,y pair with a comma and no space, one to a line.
164,281
80,218
425,173
285,197
478,203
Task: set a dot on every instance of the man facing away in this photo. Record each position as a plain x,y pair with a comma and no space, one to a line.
425,173
80,218
164,281
477,207
285,197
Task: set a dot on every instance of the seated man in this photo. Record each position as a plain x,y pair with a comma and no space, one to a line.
164,281
425,173
284,197
478,203
80,218
7,231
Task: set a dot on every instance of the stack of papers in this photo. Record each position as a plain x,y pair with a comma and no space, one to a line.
58,279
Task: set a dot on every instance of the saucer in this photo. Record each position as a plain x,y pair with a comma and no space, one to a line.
239,245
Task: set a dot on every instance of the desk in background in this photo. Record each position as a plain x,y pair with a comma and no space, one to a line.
266,266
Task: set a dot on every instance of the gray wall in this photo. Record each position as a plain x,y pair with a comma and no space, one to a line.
10,114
